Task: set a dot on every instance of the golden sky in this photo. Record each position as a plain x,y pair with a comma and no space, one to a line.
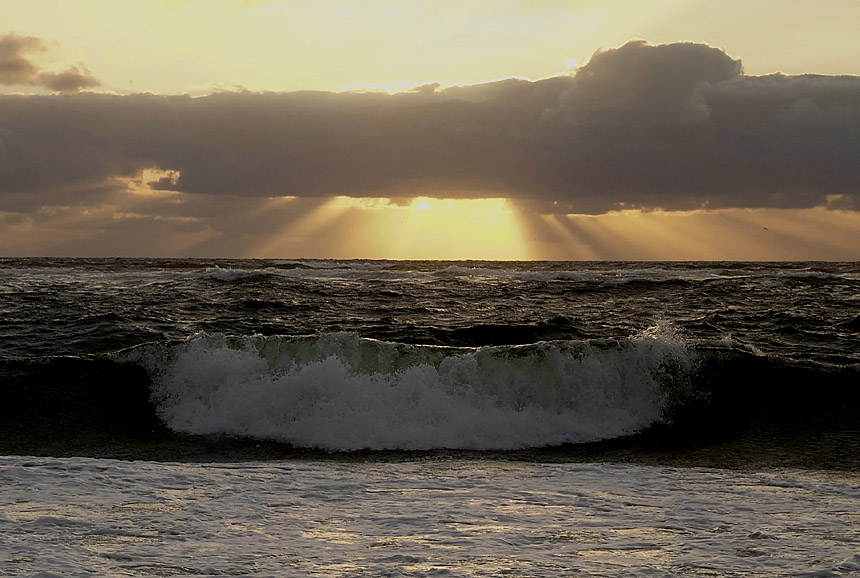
182,46
602,148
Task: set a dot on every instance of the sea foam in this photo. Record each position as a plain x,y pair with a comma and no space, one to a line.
342,392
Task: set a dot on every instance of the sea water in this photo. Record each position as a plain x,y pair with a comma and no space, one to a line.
85,517
277,418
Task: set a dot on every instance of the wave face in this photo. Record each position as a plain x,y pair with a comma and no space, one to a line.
118,357
342,392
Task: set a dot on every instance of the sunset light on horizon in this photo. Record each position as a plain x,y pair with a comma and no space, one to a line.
575,130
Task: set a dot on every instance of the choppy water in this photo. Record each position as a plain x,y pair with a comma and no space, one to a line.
423,355
200,417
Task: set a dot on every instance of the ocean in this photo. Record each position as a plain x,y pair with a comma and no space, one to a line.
167,417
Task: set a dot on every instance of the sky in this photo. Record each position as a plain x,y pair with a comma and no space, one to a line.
382,129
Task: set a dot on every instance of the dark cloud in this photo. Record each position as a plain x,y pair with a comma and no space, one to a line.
674,127
14,67
71,79
639,84
17,69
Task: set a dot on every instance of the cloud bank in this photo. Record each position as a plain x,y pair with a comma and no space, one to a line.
672,127
16,68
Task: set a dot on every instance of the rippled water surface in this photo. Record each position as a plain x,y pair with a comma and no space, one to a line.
279,418
85,517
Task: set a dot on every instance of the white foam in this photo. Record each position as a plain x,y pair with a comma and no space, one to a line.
229,274
585,274
341,392
421,517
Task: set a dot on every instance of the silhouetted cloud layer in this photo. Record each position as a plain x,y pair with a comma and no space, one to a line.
16,68
673,126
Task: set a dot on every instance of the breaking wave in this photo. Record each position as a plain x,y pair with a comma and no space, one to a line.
342,392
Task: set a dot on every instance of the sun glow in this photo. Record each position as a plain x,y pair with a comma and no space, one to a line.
729,234
458,229
150,181
422,228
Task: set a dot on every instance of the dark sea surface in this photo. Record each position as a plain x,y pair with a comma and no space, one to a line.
745,365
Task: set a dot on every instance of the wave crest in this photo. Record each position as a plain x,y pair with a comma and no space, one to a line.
343,392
